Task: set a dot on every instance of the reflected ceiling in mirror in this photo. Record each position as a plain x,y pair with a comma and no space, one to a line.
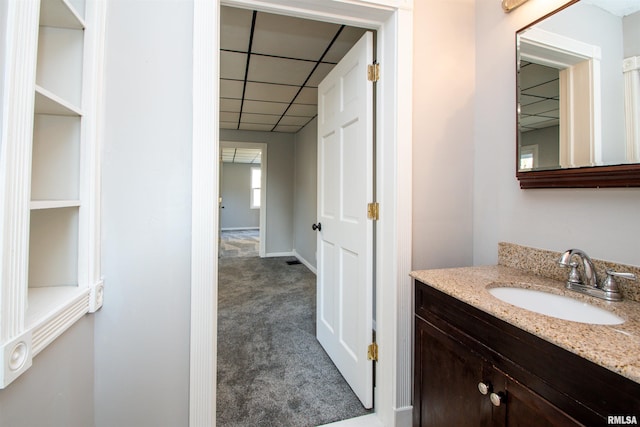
578,74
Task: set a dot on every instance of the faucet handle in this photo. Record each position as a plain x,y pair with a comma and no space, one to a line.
574,274
610,286
629,276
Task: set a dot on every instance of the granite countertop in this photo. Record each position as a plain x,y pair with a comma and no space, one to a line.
615,347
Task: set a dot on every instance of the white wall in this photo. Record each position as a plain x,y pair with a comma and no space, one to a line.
142,331
279,206
603,222
235,190
305,191
57,391
443,111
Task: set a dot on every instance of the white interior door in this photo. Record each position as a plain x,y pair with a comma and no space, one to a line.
345,238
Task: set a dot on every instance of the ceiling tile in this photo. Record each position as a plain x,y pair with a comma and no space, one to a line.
319,74
288,129
266,119
229,117
256,127
231,88
260,107
295,120
235,28
276,70
308,95
232,65
541,107
270,92
303,110
535,74
230,104
292,37
228,125
546,90
345,41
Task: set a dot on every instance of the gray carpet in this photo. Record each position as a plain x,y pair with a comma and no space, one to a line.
239,243
271,369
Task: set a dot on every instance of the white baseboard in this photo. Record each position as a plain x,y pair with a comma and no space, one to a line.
404,416
305,262
238,228
278,254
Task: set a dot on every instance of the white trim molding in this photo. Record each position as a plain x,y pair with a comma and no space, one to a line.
393,21
631,70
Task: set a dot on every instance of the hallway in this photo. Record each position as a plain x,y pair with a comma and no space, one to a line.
271,369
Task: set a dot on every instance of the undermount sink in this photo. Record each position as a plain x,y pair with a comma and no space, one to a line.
559,306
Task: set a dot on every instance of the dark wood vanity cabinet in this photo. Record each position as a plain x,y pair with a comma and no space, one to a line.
534,382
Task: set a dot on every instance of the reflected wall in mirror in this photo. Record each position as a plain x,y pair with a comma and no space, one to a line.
578,74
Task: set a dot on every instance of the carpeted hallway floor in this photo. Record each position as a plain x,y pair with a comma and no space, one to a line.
239,243
271,369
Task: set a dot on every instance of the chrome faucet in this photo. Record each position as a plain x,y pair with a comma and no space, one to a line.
589,270
587,283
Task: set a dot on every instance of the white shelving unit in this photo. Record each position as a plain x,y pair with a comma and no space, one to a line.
50,269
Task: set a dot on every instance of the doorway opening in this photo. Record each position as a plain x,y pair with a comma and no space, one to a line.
242,200
270,68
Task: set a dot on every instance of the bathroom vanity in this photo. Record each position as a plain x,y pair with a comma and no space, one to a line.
482,362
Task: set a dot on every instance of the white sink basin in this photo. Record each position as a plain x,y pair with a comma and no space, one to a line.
558,306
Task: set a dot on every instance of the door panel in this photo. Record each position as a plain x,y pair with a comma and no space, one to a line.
345,241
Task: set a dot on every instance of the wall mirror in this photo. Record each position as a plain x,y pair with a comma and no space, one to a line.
578,89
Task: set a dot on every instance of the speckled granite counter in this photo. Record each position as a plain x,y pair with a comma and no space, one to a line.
615,347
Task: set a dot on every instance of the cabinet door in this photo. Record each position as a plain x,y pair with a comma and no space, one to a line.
524,408
446,382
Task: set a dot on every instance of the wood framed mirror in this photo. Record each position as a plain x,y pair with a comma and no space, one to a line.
578,97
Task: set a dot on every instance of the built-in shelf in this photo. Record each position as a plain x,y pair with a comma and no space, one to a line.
61,14
48,103
53,204
51,277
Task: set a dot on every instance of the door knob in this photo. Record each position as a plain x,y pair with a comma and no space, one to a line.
317,227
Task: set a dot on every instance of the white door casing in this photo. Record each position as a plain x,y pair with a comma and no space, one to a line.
393,20
345,239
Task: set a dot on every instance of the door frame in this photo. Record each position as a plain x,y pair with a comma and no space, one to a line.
263,189
393,21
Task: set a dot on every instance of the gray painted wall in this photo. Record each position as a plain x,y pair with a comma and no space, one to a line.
443,139
57,391
236,197
631,28
280,172
305,190
142,332
3,36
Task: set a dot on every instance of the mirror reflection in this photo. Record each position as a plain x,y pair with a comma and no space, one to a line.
579,87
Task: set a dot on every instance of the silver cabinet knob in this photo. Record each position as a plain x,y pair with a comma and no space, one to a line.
496,398
483,387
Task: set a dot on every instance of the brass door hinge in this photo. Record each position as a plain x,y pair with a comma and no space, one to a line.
373,211
372,352
373,72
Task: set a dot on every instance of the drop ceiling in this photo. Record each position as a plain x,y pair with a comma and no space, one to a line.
539,96
241,155
271,65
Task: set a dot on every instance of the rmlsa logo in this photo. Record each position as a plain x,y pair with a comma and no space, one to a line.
622,420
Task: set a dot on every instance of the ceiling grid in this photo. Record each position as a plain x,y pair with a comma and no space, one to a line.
271,65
